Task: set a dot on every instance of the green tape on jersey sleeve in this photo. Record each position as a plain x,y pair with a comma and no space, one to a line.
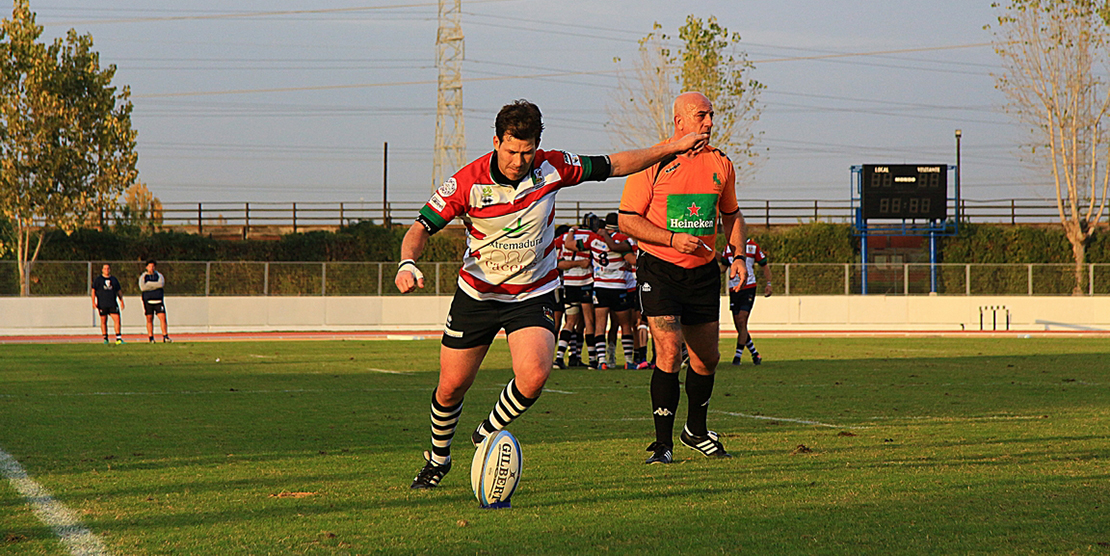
432,218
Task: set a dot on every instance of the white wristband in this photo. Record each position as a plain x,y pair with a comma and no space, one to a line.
416,274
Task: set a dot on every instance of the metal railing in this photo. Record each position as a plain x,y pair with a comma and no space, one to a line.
227,278
296,216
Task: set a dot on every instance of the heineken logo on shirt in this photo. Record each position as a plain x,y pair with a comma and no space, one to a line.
692,213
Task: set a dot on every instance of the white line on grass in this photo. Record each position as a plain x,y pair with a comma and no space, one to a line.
788,420
74,535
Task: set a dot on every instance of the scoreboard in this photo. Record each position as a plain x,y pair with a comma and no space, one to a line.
904,191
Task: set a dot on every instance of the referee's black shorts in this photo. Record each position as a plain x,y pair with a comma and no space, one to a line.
473,323
666,289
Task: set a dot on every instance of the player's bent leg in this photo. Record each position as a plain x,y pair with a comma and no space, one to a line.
457,370
528,348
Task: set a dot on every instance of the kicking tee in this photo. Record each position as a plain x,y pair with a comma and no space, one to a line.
510,240
684,194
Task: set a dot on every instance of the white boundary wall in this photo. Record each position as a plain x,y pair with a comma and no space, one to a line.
75,315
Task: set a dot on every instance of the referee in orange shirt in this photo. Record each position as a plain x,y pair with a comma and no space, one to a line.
672,209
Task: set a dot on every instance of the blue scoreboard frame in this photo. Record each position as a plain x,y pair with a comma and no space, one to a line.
903,200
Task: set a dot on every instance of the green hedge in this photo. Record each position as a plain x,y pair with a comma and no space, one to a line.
808,243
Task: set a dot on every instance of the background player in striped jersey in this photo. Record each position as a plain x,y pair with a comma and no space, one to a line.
741,297
507,201
607,248
578,282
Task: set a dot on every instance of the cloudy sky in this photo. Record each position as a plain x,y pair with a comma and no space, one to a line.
242,100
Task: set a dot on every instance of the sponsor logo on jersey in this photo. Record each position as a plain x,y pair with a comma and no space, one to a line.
692,213
487,195
572,159
448,188
672,168
437,202
716,180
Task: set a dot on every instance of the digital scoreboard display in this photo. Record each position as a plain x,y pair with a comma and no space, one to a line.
904,191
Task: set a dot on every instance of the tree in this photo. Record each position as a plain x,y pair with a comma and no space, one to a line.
67,148
709,60
141,210
1056,59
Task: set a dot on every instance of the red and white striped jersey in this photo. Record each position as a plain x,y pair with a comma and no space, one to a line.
578,277
754,255
609,266
510,254
630,269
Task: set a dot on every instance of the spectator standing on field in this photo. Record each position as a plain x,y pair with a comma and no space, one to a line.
107,299
152,285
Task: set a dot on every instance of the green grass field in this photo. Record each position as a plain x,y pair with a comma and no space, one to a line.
911,446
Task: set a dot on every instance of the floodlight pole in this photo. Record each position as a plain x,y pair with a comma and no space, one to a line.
385,185
959,134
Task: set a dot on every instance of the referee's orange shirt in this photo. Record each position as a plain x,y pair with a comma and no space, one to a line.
684,195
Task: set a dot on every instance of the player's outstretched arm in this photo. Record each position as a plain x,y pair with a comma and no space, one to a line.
630,162
409,276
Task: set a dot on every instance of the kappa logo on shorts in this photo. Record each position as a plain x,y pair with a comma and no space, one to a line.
645,287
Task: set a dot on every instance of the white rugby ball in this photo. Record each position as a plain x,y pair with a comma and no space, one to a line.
495,471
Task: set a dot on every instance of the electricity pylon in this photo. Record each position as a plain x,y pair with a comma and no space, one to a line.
450,144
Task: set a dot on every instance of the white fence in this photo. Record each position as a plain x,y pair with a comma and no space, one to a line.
328,279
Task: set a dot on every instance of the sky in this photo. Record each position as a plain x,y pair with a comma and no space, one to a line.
242,100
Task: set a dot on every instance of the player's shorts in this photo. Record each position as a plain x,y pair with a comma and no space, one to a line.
634,300
742,300
472,323
666,289
574,295
614,299
154,308
108,311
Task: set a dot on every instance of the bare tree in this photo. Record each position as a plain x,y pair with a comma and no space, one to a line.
708,60
641,109
1055,66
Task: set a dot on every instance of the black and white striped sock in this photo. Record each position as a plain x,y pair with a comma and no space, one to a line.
751,346
629,346
444,422
510,405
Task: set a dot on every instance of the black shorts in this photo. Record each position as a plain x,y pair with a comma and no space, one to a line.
473,323
615,300
742,300
574,295
154,308
108,311
666,289
634,300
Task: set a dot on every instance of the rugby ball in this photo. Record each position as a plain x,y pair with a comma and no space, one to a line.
495,471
